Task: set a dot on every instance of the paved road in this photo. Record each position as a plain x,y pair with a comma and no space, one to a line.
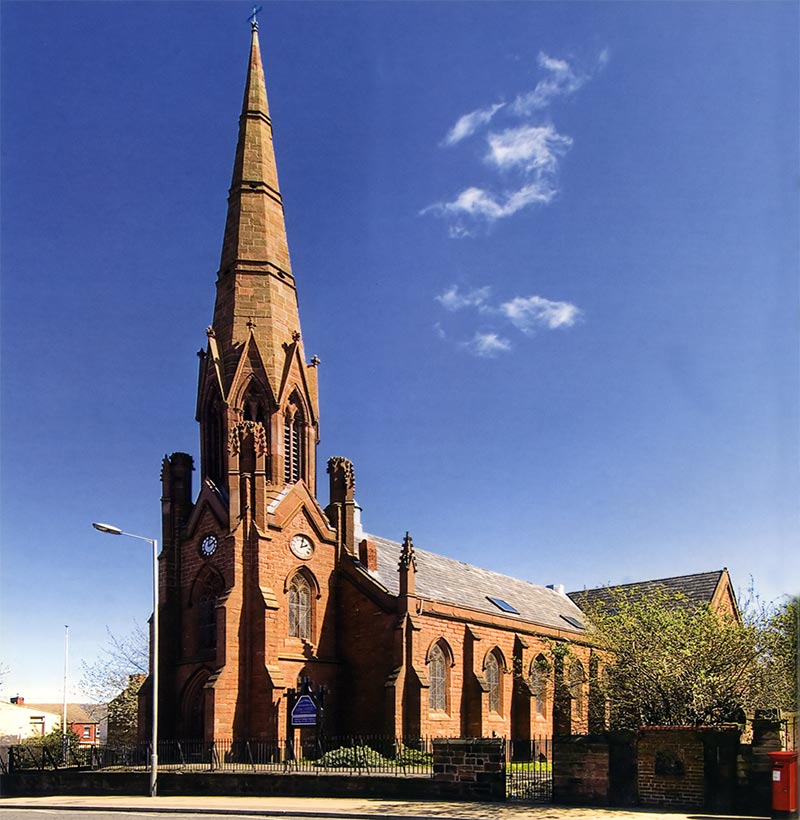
94,814
297,808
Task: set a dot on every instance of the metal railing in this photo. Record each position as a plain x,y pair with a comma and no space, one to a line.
359,755
529,769
41,757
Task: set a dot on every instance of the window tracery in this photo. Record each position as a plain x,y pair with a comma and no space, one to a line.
293,442
577,678
491,672
207,614
438,677
300,607
538,679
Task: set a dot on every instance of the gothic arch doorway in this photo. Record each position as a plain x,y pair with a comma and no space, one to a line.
193,707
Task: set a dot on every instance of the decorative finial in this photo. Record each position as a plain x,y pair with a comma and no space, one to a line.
210,332
252,18
250,325
407,558
296,336
315,361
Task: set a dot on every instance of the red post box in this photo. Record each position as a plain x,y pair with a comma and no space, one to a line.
784,784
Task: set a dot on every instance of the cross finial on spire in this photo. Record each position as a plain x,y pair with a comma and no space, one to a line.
253,19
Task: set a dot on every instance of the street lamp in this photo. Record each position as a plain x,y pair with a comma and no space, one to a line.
107,528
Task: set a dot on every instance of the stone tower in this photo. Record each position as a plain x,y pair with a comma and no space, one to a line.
255,535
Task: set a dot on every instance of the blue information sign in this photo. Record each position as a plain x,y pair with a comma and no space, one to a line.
304,712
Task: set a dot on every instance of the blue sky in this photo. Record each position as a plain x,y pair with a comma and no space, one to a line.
546,252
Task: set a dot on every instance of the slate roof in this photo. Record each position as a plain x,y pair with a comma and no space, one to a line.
454,582
698,588
75,712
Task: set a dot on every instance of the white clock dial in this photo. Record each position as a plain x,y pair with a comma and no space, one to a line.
302,547
208,545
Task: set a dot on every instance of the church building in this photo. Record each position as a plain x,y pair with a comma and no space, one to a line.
262,585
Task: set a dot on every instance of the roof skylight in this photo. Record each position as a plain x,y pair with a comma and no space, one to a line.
503,605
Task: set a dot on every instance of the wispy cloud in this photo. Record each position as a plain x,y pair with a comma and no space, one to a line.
527,314
535,148
487,345
467,125
531,313
561,79
476,202
528,155
452,299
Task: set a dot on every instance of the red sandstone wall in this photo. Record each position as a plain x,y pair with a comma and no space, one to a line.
685,786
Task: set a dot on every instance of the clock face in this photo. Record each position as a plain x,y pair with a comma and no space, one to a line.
209,545
302,547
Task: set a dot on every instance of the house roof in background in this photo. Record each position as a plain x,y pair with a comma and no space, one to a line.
697,588
76,713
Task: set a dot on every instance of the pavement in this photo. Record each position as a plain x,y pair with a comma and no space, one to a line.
364,809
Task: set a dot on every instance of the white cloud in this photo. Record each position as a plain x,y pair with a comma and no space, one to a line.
487,345
475,202
527,155
458,231
470,123
530,313
561,80
452,299
534,148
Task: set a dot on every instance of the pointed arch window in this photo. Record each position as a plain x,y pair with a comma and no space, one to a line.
300,607
538,678
577,678
207,614
254,404
293,443
438,679
491,671
215,440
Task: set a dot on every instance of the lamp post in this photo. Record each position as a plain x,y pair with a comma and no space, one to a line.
107,528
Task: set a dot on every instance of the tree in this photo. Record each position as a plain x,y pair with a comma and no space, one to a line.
781,640
123,712
670,662
122,657
115,678
56,742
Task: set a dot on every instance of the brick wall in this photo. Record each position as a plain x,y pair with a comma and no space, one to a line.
671,767
754,767
680,767
474,766
581,770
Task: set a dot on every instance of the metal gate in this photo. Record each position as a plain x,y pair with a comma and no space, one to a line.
529,770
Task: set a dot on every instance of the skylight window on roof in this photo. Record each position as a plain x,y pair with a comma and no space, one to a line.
573,621
503,605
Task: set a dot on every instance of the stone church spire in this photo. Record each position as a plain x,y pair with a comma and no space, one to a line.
257,396
255,231
255,288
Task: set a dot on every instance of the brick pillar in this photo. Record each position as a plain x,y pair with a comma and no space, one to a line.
470,769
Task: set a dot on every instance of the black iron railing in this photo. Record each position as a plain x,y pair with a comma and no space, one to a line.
529,769
360,755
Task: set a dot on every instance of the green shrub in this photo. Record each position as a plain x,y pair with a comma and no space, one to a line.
413,757
352,757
